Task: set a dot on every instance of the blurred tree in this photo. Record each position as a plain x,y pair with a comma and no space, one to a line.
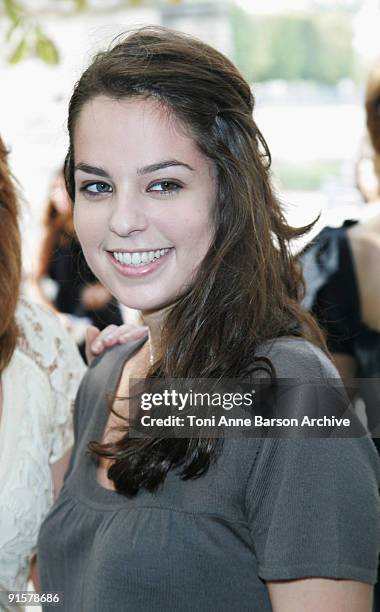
294,46
25,34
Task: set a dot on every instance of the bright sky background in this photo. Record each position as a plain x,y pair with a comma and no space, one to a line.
367,30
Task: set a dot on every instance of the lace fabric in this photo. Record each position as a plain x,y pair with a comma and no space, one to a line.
39,388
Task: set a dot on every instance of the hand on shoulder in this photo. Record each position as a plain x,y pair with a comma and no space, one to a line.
99,341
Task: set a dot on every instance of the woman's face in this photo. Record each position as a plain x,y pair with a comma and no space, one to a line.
144,200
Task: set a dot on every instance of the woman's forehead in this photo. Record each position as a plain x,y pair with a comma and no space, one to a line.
139,130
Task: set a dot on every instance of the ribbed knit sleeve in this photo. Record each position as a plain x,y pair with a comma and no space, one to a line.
313,509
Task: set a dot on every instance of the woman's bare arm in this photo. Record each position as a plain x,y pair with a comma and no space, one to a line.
320,595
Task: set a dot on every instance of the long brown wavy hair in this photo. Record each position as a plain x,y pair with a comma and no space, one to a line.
10,261
248,287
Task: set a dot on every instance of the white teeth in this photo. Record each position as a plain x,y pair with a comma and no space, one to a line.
139,257
136,258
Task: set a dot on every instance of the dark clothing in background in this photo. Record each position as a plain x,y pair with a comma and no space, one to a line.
68,268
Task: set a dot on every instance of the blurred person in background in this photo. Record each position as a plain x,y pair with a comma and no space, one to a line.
342,274
341,268
368,164
63,280
40,370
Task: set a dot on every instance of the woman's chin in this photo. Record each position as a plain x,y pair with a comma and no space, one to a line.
148,306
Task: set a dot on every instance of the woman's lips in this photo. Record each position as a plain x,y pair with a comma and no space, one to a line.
141,269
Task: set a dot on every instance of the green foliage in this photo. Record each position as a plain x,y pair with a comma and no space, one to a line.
25,35
81,4
13,11
20,51
45,48
31,40
294,46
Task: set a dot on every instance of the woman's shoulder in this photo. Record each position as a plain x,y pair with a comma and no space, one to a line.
296,357
102,376
29,313
43,339
45,372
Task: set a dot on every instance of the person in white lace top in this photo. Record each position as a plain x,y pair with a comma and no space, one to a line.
40,370
38,388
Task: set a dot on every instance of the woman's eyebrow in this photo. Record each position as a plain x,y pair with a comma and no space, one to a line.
92,170
163,164
144,170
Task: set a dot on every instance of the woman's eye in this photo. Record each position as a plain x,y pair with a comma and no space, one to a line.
165,187
97,188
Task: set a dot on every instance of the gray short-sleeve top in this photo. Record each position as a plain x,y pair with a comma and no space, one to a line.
268,509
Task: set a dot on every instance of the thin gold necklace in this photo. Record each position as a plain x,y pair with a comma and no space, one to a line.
151,357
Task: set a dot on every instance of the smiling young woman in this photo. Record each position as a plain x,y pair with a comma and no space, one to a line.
174,209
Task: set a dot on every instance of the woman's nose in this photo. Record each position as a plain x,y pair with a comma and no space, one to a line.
127,215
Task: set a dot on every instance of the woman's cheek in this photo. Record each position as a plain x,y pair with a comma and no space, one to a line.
86,225
76,220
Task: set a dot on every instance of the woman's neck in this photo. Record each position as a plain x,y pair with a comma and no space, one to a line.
154,320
